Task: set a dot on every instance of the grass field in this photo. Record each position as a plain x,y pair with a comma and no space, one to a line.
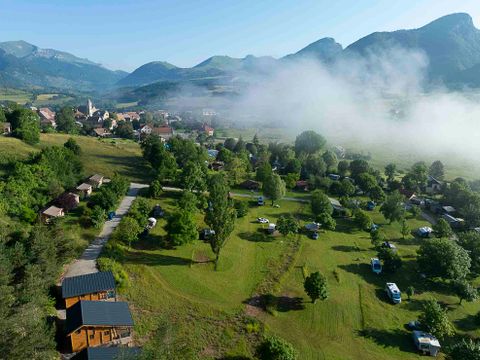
98,156
185,309
19,96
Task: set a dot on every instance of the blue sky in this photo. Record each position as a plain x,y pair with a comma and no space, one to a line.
124,34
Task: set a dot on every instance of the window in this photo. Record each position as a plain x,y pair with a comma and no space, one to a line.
78,331
92,336
106,333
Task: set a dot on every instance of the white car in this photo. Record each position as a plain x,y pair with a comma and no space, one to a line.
262,220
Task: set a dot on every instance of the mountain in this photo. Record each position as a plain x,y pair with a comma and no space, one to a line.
26,66
325,50
214,67
452,44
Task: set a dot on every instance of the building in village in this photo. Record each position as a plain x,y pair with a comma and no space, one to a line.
84,190
96,286
97,323
51,213
96,180
47,117
5,128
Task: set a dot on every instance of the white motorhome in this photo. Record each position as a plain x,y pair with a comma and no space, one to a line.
271,228
393,292
426,343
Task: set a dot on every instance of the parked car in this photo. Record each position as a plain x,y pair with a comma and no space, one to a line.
393,292
262,220
151,223
315,235
260,201
271,228
389,245
158,211
376,265
206,233
414,325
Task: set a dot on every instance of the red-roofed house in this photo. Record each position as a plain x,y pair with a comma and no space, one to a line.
164,132
209,131
47,117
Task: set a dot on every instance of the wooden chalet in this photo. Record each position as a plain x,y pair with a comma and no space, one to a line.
95,286
68,201
96,323
96,180
84,190
51,212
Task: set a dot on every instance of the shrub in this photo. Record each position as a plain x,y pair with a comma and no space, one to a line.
241,207
120,275
275,348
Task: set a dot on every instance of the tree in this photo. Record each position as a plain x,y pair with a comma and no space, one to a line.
181,226
230,144
314,165
437,170
366,182
358,167
433,261
220,216
124,130
442,229
239,146
236,170
470,241
405,230
410,291
418,173
415,211
25,125
343,167
465,291
435,321
128,230
193,177
274,187
343,188
309,142
377,194
161,160
275,348
320,203
241,208
287,225
392,208
390,171
376,238
466,349
72,145
156,189
98,216
363,220
264,171
391,260
330,159
65,119
315,286
327,221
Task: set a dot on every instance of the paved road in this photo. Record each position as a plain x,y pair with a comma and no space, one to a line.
430,218
88,261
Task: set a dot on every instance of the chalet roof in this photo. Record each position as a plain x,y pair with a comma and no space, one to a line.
53,211
96,177
7,125
87,284
448,209
432,180
107,353
101,131
98,313
84,186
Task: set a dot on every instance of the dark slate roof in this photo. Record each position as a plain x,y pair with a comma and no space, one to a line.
87,284
107,353
98,313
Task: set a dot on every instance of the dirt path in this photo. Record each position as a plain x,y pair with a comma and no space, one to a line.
87,263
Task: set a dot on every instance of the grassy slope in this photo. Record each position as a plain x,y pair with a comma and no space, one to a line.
98,156
356,322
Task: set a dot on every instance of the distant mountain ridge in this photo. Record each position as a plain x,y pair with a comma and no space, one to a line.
451,43
25,65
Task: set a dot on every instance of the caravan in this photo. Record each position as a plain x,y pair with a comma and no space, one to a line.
393,292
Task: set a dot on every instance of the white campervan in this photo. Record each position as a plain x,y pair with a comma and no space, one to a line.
393,292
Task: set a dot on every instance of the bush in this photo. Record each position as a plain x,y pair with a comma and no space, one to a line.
241,207
275,348
120,275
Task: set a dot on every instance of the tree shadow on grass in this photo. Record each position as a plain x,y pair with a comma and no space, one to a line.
346,226
347,248
468,323
397,338
132,167
258,236
155,259
281,303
